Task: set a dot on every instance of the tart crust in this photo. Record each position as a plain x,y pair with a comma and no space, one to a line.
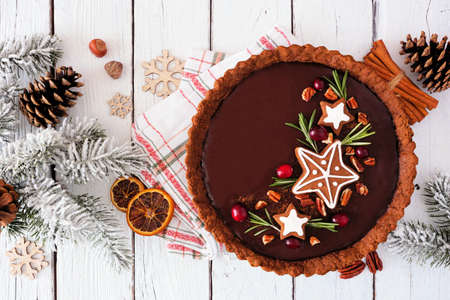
336,259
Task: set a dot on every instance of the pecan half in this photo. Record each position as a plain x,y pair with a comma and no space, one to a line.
320,205
362,118
260,204
374,262
308,93
369,161
274,196
353,270
267,238
345,196
362,189
313,240
355,162
330,94
329,140
306,202
352,103
349,150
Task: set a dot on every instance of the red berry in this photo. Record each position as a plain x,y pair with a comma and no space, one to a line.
284,171
238,212
319,84
318,133
340,219
292,243
361,152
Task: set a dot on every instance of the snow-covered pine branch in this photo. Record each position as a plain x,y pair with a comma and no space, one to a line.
7,121
97,159
32,55
421,243
9,90
78,218
30,156
437,193
78,149
78,130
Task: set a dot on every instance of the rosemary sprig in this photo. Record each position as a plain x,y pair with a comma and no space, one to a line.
316,223
337,85
352,138
260,222
284,182
305,126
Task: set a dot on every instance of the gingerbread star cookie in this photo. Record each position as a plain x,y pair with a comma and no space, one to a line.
335,115
292,223
324,174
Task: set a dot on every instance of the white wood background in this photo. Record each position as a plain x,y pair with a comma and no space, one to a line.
137,30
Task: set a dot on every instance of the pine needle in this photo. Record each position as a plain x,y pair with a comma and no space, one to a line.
32,55
304,126
421,243
78,217
437,193
338,86
353,138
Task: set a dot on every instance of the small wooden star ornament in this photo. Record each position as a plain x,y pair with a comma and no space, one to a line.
324,174
26,258
120,105
335,115
292,223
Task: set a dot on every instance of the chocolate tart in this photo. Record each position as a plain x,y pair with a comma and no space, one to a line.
238,138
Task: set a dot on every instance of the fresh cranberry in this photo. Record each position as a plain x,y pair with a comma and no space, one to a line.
318,133
284,171
340,219
319,84
292,243
238,212
361,152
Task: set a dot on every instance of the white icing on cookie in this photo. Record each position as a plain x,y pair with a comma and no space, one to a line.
292,223
336,115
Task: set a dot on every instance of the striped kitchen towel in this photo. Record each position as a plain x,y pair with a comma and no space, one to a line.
162,132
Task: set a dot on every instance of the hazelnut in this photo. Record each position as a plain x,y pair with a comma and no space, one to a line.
98,47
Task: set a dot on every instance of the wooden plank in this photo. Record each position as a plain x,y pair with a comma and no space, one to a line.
19,18
345,25
80,273
178,26
235,25
401,280
342,29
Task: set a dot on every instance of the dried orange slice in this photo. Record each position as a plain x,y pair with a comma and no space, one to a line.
123,190
150,211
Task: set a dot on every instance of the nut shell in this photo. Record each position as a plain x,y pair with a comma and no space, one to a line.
98,47
114,69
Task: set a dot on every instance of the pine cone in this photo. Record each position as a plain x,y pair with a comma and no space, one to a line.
45,101
8,207
431,61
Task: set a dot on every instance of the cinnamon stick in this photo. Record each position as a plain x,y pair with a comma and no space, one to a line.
414,101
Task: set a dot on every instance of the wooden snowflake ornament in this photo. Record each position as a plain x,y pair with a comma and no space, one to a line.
120,105
26,258
161,70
